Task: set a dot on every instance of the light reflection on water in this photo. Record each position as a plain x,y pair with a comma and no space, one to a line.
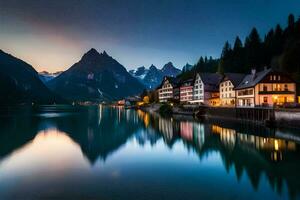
112,153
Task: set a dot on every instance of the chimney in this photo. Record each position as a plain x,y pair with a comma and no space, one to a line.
253,73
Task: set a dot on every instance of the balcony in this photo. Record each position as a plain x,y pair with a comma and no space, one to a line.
277,92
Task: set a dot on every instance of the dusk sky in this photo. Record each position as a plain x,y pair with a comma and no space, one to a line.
53,35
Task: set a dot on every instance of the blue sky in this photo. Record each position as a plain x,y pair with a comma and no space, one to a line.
52,35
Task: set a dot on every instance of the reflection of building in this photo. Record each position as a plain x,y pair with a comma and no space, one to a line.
227,85
198,134
145,116
186,130
166,127
274,147
265,88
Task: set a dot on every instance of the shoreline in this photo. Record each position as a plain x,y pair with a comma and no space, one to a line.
283,118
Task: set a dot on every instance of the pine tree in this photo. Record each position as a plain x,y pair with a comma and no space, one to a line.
253,50
291,21
238,57
225,61
238,45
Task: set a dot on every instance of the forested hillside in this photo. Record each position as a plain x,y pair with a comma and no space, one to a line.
279,49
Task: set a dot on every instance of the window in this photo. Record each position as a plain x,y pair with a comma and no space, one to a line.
286,87
265,88
279,77
271,78
265,99
274,78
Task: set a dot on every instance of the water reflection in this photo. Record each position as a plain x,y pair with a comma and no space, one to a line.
116,153
254,155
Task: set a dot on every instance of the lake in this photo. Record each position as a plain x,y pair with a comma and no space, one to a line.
99,152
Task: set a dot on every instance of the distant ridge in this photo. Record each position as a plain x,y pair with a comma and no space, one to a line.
153,76
46,76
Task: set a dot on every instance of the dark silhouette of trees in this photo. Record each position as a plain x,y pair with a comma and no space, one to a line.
279,49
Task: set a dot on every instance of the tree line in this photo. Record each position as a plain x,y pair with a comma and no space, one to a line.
279,49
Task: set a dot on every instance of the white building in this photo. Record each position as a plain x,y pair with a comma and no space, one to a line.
266,88
166,89
198,93
206,85
227,85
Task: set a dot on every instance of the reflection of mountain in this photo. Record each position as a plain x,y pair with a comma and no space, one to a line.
97,132
101,131
95,129
16,132
253,155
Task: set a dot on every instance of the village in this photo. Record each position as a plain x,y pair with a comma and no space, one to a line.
267,88
267,97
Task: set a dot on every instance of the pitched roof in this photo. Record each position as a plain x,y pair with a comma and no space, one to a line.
188,81
235,78
251,80
211,78
211,81
174,81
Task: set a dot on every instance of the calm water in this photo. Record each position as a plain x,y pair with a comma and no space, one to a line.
112,153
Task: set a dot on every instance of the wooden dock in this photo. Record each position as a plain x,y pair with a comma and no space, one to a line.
260,115
257,115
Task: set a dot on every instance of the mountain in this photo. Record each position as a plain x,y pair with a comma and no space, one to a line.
187,67
152,77
139,73
169,70
46,76
96,77
20,83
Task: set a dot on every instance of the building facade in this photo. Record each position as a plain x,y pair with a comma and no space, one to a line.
227,88
186,91
165,90
211,82
198,90
214,99
266,88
